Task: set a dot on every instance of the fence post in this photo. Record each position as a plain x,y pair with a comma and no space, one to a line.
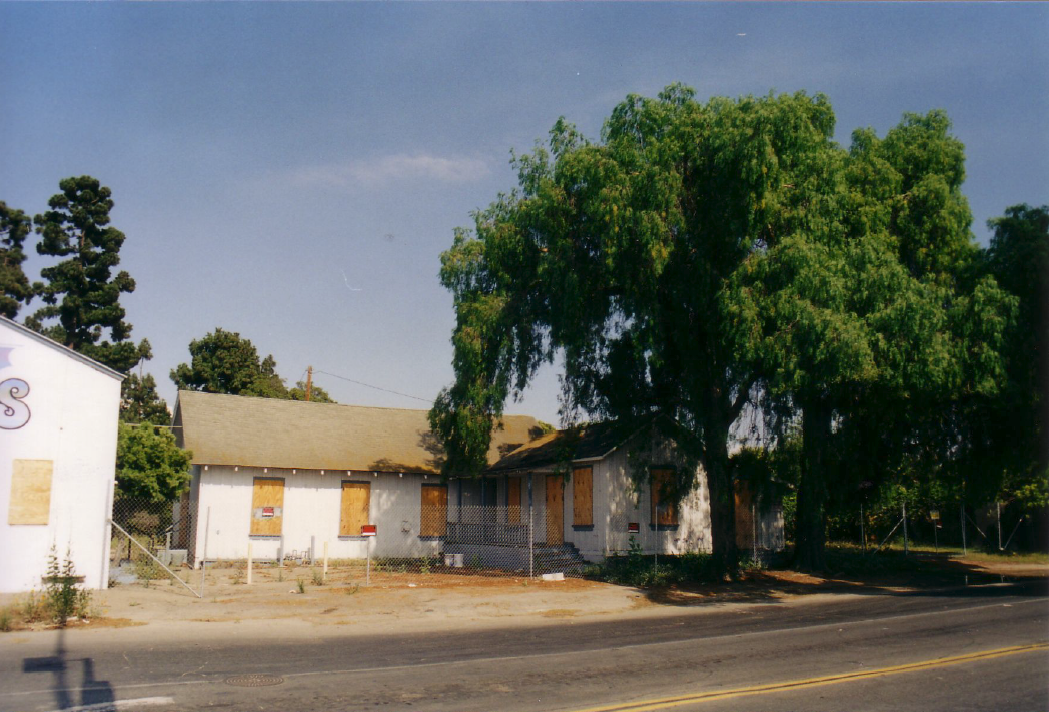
325,574
999,525
249,562
531,574
905,529
863,530
204,558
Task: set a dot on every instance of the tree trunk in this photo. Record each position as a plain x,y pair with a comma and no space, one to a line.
812,491
722,496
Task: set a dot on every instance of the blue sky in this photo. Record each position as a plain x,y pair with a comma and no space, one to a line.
293,171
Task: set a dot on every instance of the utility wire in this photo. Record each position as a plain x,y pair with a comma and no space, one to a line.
378,388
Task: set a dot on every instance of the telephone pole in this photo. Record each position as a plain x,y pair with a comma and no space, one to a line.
309,381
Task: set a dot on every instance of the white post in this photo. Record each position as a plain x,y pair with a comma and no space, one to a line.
204,558
325,561
368,563
999,525
249,563
313,550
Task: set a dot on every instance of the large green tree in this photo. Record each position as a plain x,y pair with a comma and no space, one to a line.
224,362
868,313
15,289
149,463
81,294
621,255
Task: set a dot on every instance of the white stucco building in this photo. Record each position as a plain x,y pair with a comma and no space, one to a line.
58,440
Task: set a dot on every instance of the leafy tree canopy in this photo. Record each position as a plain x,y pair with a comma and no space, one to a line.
621,254
149,463
224,362
81,293
15,289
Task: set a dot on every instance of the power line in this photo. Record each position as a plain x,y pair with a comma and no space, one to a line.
378,388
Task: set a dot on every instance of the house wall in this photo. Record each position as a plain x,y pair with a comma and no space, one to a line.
311,508
72,422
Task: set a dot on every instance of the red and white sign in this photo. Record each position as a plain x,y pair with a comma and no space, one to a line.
633,528
368,530
267,512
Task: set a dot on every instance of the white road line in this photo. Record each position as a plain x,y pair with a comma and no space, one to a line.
587,651
120,704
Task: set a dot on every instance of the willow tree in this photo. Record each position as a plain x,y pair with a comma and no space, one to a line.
621,255
870,317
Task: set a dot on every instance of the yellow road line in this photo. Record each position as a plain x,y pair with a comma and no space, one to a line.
667,702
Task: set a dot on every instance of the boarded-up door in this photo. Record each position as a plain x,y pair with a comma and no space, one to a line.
267,506
555,509
583,497
356,503
433,514
513,500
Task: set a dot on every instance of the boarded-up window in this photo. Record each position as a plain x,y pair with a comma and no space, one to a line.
30,492
433,512
267,506
356,502
513,500
583,497
664,505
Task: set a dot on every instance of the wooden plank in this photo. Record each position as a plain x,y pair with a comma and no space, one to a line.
30,492
267,492
433,514
513,500
662,482
583,497
355,507
555,509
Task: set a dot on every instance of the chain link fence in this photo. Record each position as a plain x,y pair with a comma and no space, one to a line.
941,527
144,546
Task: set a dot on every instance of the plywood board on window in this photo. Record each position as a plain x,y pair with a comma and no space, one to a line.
434,511
30,492
267,506
513,500
356,504
583,497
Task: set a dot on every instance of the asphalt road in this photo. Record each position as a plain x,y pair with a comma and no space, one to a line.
982,648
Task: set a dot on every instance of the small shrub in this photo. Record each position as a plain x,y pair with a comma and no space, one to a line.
318,577
280,574
237,578
355,589
301,584
6,620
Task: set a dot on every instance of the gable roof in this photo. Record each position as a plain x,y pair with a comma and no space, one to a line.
65,350
267,432
595,442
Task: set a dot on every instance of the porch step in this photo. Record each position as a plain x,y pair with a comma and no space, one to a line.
566,558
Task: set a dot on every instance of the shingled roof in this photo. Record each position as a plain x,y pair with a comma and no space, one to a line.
594,442
267,432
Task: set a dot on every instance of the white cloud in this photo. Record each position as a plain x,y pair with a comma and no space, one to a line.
385,170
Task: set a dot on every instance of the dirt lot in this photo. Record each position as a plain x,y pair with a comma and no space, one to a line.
439,601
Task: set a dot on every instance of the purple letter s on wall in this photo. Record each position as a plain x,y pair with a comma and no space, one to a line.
13,412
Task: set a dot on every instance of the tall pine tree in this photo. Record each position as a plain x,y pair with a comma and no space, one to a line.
81,293
14,285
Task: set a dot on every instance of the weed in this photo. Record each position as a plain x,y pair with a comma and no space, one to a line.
238,577
424,566
63,598
146,570
132,604
280,574
5,620
301,584
318,577
355,589
475,562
